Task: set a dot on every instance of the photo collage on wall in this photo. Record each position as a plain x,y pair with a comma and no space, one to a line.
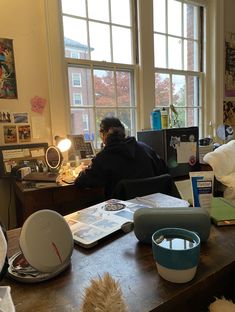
16,127
229,91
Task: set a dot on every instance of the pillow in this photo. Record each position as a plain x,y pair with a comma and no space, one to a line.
222,159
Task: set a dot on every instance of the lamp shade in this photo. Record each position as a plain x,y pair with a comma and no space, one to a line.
63,144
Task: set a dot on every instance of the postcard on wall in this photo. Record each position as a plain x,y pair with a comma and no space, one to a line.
229,113
24,133
8,89
229,64
20,118
5,116
10,134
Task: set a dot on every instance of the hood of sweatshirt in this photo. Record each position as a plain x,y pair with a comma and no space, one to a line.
125,147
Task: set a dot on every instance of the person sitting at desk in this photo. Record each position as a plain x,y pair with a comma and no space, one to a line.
121,158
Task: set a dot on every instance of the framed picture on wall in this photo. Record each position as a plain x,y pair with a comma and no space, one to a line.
229,113
8,89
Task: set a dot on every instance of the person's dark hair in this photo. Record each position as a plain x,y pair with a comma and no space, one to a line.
113,127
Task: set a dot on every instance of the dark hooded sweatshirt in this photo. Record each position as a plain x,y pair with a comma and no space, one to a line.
121,159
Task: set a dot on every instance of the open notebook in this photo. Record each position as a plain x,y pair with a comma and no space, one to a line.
222,211
92,224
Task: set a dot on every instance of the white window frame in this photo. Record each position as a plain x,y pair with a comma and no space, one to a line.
132,68
74,54
74,99
74,78
213,81
85,120
199,73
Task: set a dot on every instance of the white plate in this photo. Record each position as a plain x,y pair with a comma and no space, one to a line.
38,277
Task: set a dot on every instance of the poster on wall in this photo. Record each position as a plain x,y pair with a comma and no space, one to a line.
230,64
8,89
229,113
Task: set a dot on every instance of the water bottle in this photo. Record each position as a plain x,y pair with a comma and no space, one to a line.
156,123
164,118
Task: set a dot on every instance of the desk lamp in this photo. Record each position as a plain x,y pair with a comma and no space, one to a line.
63,144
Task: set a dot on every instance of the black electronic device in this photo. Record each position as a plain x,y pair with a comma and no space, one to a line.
80,148
177,146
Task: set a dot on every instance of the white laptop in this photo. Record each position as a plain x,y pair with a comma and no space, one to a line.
92,224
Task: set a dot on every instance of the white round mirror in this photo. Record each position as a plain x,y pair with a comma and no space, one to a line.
53,157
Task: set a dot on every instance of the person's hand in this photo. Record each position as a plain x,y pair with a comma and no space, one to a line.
81,168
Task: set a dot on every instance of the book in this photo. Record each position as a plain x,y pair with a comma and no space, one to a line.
159,200
222,211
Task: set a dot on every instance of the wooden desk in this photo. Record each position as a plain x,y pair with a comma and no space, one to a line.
63,199
132,264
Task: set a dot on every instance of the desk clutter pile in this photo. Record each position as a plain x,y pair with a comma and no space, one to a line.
91,226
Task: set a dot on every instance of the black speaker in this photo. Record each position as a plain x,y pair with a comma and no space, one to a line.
149,220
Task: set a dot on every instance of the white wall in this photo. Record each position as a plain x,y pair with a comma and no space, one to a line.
24,22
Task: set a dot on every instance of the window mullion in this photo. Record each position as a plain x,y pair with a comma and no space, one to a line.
110,31
134,31
171,90
88,31
93,104
166,25
186,91
182,34
115,88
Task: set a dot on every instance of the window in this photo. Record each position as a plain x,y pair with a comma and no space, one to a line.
178,60
75,54
85,120
104,69
104,63
76,80
77,99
